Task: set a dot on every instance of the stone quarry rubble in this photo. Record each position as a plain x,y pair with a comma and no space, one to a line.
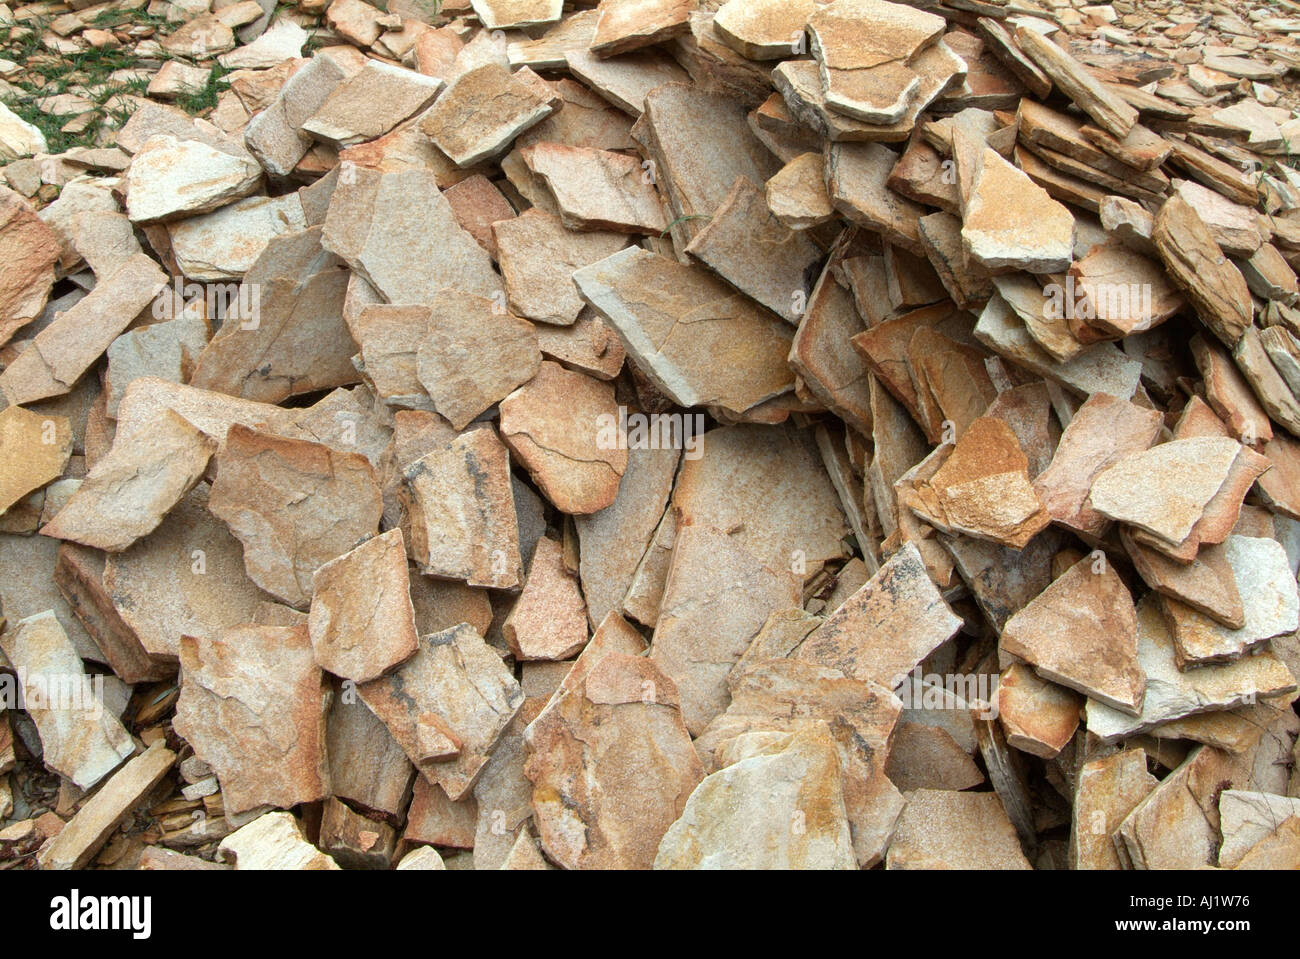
676,434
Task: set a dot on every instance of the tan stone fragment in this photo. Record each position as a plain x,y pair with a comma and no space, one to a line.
549,620
34,450
294,504
87,831
472,355
1039,717
955,830
885,629
612,766
538,256
1103,430
797,195
273,841
362,623
598,189
740,816
129,491
29,249
80,738
447,705
481,113
63,351
1081,632
462,511
1107,792
253,706
1101,103
632,24
558,425
1213,285
1011,222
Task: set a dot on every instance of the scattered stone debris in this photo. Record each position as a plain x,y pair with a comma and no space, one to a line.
678,434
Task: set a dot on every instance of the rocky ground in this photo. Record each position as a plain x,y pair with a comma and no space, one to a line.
516,434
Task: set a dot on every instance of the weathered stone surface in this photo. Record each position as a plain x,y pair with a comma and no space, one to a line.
516,14
367,767
741,816
886,627
797,195
1206,584
1265,580
481,113
273,841
422,858
362,623
1215,287
598,189
1108,791
34,449
837,377
29,250
955,830
632,24
473,355
613,541
61,352
185,578
355,841
549,620
1081,632
275,136
557,424
1039,717
171,178
1173,694
81,740
370,103
1177,825
294,504
167,350
128,492
763,29
1103,431
538,256
1011,223
253,706
858,34
857,178
982,488
1105,106
612,766
226,243
697,340
87,831
462,511
782,696
399,232
717,596
447,705
1247,818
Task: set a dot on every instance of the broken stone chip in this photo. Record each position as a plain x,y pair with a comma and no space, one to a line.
1011,223
370,103
461,506
481,113
626,25
171,178
447,705
362,622
34,450
763,29
129,491
598,189
955,830
612,766
80,738
695,338
253,705
562,426
538,256
549,620
294,504
1081,632
887,627
473,354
